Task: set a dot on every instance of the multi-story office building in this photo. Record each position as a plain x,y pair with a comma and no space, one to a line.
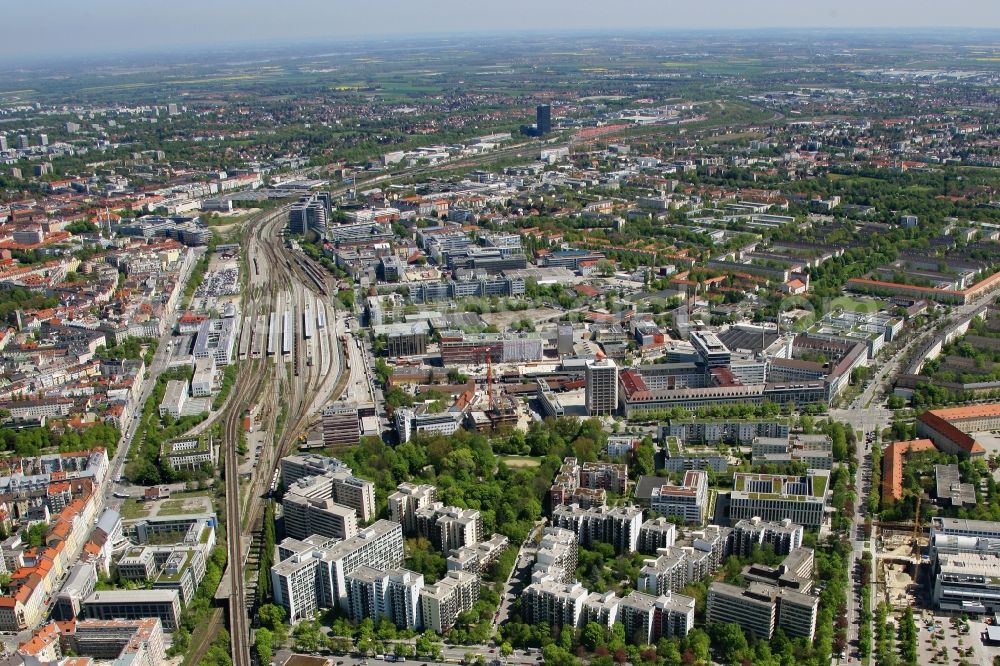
618,526
716,431
404,503
601,392
408,423
543,119
174,398
460,348
180,568
551,405
305,516
216,339
442,602
116,640
189,453
449,527
428,292
687,501
713,353
648,618
814,451
759,608
784,536
802,499
553,603
393,594
189,528
983,529
311,574
406,339
310,213
79,585
135,605
392,268
967,582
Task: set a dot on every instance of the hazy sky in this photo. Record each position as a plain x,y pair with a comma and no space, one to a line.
59,27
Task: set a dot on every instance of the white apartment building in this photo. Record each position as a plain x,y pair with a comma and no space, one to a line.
404,503
552,603
648,618
442,602
618,526
311,574
601,392
687,501
305,516
772,497
392,593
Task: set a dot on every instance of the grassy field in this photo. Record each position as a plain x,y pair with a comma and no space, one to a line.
855,304
134,510
186,503
521,461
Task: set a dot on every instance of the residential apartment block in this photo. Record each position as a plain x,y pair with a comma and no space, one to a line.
336,479
618,526
311,574
802,499
305,516
135,605
449,527
442,602
390,593
688,500
783,536
404,503
759,608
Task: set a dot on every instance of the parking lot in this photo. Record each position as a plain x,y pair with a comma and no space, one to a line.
220,285
942,639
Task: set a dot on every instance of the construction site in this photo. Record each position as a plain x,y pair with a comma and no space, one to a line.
900,560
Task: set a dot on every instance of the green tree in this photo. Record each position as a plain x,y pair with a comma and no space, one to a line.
729,641
264,645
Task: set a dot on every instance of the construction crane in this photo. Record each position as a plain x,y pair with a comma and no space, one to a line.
489,380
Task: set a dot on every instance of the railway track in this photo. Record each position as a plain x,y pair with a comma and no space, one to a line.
274,273
247,385
278,274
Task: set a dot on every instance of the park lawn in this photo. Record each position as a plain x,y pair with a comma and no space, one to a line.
856,304
521,461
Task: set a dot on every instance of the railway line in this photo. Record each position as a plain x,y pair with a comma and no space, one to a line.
280,279
247,384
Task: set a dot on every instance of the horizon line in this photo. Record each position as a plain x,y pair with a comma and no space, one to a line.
250,45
